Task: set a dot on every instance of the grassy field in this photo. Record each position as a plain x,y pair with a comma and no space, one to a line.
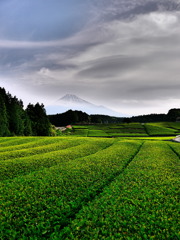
95,187
127,130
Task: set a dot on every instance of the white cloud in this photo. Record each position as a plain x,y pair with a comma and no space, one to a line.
44,71
130,64
164,20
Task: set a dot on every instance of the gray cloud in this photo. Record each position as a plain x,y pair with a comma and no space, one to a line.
120,53
109,67
128,9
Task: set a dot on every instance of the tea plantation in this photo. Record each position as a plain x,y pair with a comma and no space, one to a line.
127,130
96,187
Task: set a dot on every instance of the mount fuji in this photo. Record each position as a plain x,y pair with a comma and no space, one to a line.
73,102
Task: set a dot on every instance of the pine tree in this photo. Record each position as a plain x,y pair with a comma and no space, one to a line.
14,120
39,119
16,112
4,131
27,125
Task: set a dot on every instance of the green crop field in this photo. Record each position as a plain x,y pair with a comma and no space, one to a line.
127,130
97,187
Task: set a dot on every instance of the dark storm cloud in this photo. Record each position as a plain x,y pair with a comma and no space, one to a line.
128,9
109,67
14,58
115,66
151,6
137,93
113,50
52,20
33,59
148,91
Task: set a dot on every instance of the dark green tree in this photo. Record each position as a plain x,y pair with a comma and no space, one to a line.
173,114
27,125
16,115
4,126
40,122
14,120
69,117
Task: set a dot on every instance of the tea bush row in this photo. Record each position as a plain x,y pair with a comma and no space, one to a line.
13,141
97,133
43,202
20,166
81,132
47,147
36,142
157,131
142,203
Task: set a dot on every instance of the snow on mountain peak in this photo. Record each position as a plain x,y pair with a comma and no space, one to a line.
73,102
71,98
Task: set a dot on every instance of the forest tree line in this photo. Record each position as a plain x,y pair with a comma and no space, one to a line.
172,116
17,121
79,117
33,121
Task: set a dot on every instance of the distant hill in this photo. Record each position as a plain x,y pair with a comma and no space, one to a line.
73,102
79,117
173,115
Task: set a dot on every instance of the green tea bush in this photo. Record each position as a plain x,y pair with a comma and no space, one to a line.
37,205
13,141
97,133
13,154
36,142
142,202
158,131
89,188
81,132
23,165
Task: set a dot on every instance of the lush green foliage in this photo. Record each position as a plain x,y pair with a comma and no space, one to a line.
69,117
14,120
79,117
154,130
172,116
88,188
169,125
127,130
175,125
21,162
39,120
97,133
142,203
81,132
175,147
57,191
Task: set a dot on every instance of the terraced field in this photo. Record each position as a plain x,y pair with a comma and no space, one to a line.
127,130
88,188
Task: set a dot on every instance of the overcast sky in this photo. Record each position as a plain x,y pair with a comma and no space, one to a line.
123,54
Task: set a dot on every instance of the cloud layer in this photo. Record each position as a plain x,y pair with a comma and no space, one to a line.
120,53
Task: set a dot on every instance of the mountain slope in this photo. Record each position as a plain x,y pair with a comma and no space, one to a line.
71,101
